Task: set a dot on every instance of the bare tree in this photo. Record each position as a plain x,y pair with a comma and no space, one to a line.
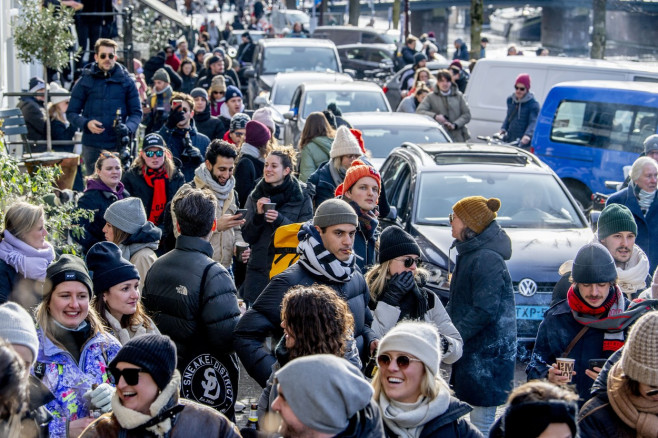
355,11
477,18
598,29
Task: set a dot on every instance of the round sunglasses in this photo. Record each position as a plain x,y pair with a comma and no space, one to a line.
130,375
154,153
410,261
384,360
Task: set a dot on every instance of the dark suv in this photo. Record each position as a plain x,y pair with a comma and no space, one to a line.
543,220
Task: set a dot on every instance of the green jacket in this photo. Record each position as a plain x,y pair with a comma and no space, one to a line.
314,154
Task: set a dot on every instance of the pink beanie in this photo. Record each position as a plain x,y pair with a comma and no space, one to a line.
523,78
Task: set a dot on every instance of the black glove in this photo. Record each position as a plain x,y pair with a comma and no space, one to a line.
191,155
398,286
445,344
175,117
122,130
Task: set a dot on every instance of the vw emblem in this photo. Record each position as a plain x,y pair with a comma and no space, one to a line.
527,287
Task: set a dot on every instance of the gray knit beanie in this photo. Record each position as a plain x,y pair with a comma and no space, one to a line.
344,144
639,360
334,212
593,264
161,75
127,215
199,92
17,327
650,143
324,391
420,339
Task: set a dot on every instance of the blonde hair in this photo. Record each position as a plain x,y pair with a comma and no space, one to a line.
21,217
169,165
378,276
55,113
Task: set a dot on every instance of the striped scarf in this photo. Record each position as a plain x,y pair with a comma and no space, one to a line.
315,257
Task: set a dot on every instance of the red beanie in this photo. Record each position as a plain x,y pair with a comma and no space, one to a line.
359,138
356,171
524,79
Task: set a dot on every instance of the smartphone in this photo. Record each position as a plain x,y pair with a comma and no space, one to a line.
175,104
242,211
597,363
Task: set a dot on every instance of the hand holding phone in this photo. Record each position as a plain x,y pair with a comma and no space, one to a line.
242,211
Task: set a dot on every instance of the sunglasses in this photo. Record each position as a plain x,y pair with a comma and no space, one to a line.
221,93
383,361
154,153
410,261
451,217
238,134
109,155
130,375
652,392
454,71
107,55
520,88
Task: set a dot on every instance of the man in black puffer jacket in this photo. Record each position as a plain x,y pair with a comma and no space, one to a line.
193,300
332,230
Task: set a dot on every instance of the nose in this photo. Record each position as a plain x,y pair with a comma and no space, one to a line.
275,404
393,365
74,303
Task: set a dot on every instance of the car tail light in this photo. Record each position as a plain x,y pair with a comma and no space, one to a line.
385,89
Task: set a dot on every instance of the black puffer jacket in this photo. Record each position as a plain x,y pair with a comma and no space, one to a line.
248,170
197,324
482,309
96,201
210,126
367,423
264,317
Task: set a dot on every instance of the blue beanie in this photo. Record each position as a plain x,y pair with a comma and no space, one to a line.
232,92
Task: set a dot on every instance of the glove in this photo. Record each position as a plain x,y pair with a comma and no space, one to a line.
398,286
101,397
175,117
122,130
191,155
445,344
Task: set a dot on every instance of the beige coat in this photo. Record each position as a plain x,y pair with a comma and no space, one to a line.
143,260
453,107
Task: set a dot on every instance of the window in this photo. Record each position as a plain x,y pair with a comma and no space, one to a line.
397,180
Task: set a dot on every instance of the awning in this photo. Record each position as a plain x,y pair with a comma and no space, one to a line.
168,12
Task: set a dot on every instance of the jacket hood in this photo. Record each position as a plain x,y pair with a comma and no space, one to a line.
493,238
365,423
456,410
527,98
324,143
147,234
453,89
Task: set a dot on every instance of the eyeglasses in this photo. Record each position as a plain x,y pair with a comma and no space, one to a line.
520,88
154,153
130,375
352,157
451,217
652,392
384,360
454,71
409,261
106,55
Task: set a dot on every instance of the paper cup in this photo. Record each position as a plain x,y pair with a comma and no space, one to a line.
240,247
566,366
269,206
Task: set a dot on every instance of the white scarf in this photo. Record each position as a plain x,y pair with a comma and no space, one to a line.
633,276
645,199
203,178
406,420
29,262
126,334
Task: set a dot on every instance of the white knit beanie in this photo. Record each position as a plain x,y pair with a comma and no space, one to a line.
17,327
344,143
420,339
127,215
639,360
264,115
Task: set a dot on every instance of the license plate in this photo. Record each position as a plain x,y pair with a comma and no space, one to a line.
531,312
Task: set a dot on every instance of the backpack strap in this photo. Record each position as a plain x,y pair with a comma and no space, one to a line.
574,341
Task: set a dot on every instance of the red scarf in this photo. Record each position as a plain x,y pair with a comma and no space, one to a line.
156,179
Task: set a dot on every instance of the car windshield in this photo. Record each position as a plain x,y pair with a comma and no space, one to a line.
282,92
296,16
527,200
287,59
381,140
347,101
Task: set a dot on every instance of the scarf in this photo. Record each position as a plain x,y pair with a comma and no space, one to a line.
367,219
632,277
97,184
635,411
215,107
161,99
29,262
609,317
414,305
156,179
126,334
407,420
645,199
338,175
288,191
129,419
253,151
203,178
319,261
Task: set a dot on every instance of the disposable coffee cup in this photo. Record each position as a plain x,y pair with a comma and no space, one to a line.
566,366
269,206
240,247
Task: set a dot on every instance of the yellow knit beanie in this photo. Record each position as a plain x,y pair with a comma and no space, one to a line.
477,212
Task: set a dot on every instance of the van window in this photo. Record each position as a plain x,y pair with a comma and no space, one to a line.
603,125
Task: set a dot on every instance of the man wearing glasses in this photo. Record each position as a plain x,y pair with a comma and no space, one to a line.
104,89
522,112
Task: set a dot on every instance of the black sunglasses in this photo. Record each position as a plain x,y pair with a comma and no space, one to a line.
154,153
130,375
652,392
221,93
520,88
409,261
107,55
383,360
451,217
454,71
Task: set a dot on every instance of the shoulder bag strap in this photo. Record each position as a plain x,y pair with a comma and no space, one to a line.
574,341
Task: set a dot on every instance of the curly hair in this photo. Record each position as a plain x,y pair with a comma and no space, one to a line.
13,387
286,154
318,319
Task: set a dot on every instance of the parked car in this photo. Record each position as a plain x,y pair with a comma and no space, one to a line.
352,34
350,97
284,55
281,19
383,132
362,57
587,131
393,86
543,220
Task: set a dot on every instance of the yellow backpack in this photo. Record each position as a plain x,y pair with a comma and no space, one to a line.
285,247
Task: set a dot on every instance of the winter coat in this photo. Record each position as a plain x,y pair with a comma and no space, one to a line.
263,319
175,141
597,419
188,83
408,55
408,105
208,125
97,201
449,424
461,53
313,155
35,119
364,246
59,131
367,423
8,279
482,308
260,234
453,107
205,81
98,96
172,294
68,380
647,226
248,170
521,117
325,187
385,317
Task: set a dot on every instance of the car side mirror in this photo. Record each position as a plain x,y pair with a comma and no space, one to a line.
393,213
351,72
250,73
289,115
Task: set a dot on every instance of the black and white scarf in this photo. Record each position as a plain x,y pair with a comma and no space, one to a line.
317,259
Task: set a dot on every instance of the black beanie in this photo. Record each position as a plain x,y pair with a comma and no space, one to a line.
593,264
107,267
155,354
529,420
395,242
67,268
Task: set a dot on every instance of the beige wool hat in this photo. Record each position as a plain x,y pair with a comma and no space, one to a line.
218,84
344,144
639,360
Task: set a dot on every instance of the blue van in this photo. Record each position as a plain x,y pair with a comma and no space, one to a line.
587,131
